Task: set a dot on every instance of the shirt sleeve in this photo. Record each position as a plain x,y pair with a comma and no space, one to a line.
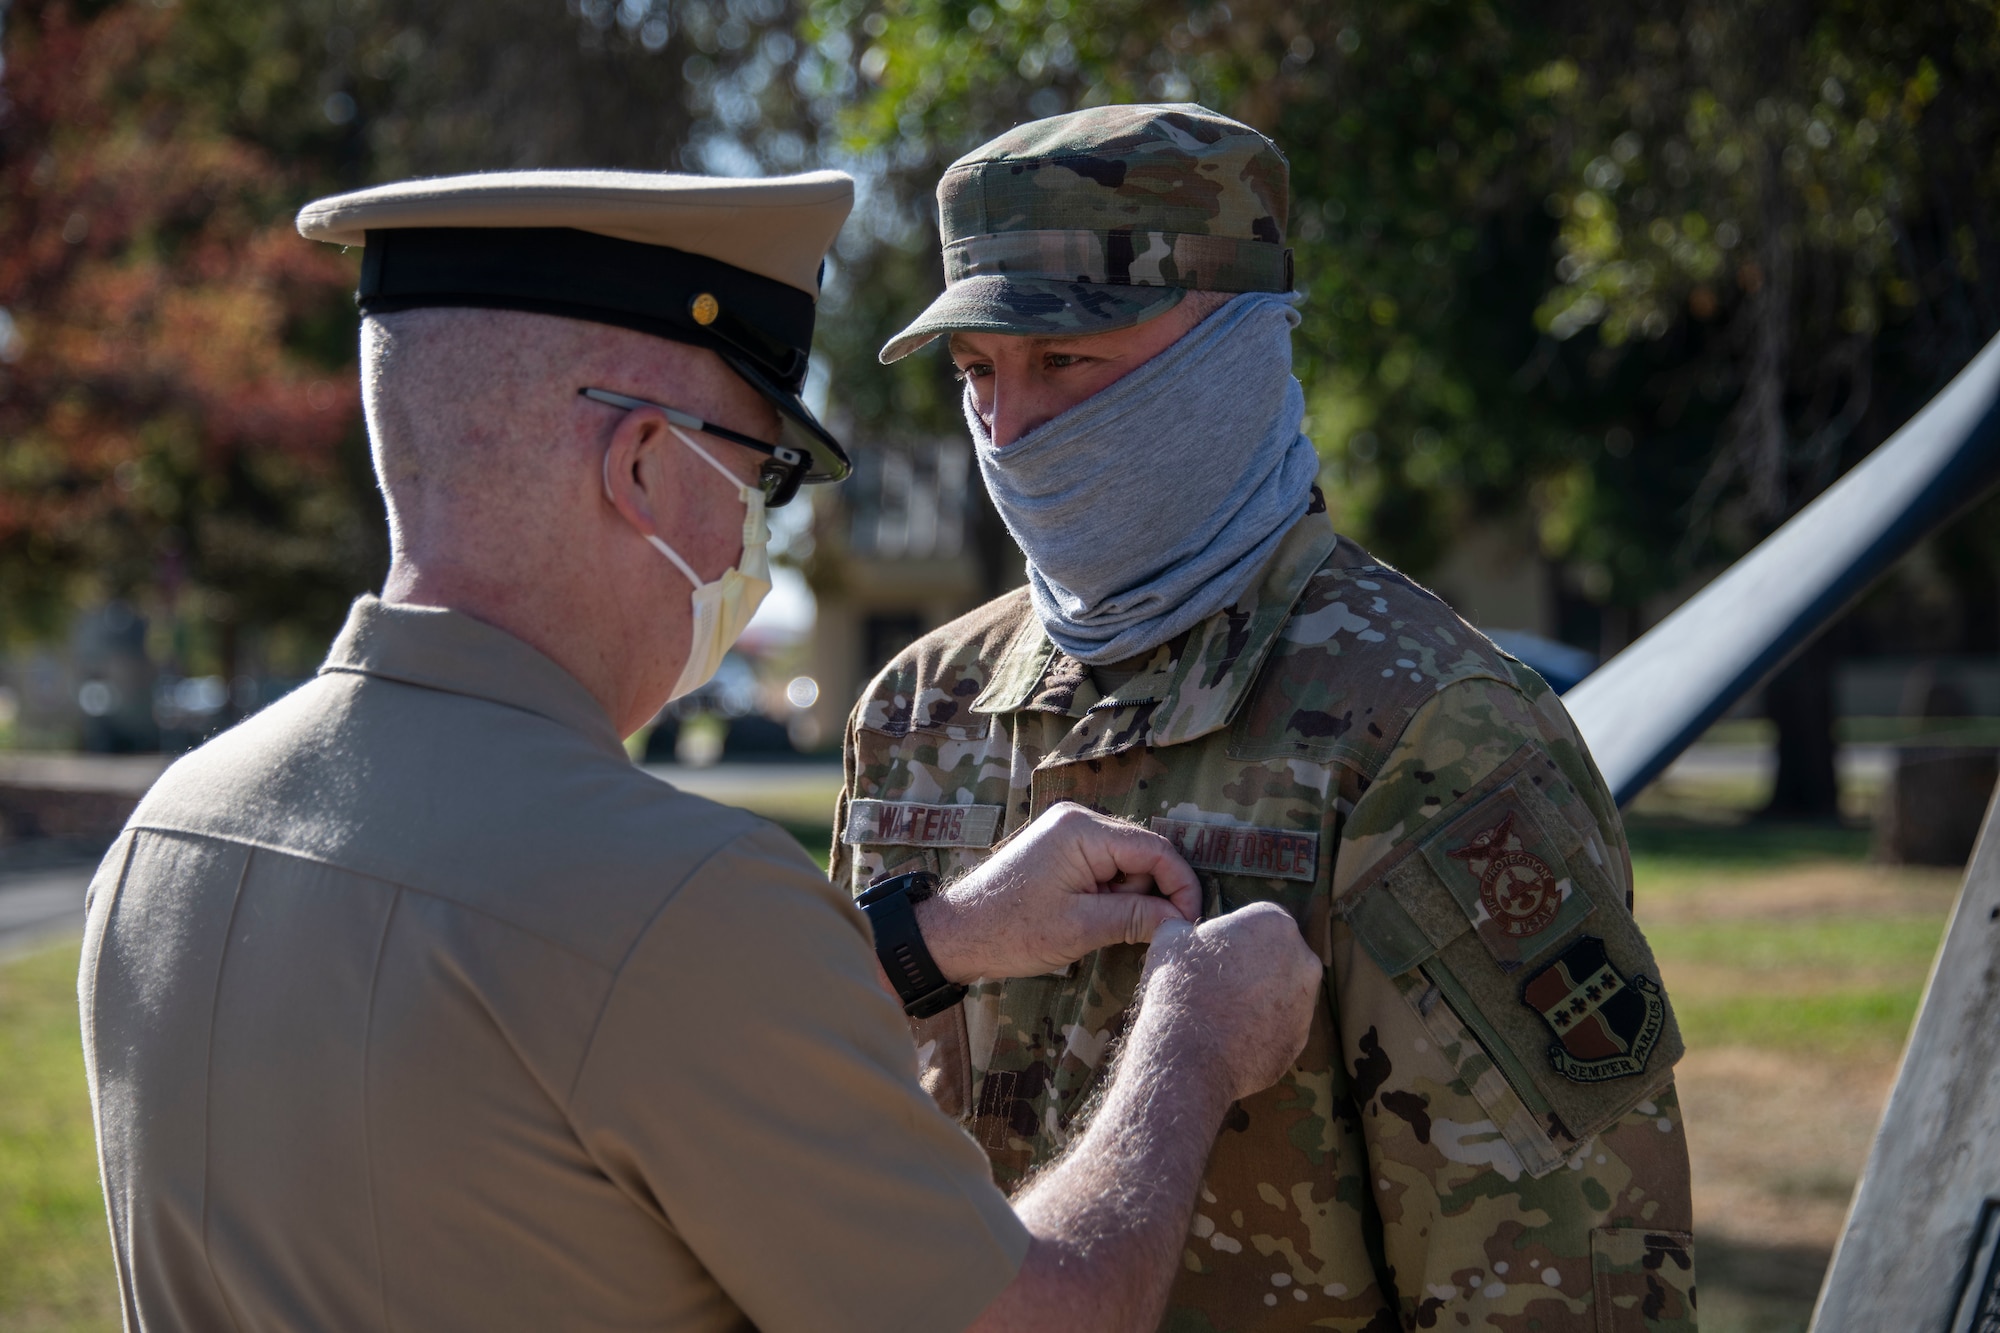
840,857
752,1080
1510,1046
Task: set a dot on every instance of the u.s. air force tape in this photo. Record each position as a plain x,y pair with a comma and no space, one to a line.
909,824
1239,849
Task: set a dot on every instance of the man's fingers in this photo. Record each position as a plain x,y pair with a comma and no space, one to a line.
1108,919
1125,858
1127,883
1148,855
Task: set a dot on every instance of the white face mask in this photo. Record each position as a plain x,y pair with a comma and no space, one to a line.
723,608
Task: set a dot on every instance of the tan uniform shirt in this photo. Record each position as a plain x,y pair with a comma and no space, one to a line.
410,1003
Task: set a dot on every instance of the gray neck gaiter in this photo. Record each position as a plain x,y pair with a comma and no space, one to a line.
1149,507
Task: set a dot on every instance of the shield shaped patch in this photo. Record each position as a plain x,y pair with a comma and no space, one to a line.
1605,1023
1510,877
1516,887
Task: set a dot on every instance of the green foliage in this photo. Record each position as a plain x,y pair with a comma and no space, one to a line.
1635,281
368,90
1631,277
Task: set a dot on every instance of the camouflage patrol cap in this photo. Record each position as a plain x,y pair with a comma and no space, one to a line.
1098,219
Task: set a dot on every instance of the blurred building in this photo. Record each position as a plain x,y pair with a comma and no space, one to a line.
910,542
906,544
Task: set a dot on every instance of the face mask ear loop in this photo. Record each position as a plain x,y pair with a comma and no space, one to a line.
683,566
679,563
753,499
706,457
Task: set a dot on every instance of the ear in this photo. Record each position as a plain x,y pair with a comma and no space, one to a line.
635,469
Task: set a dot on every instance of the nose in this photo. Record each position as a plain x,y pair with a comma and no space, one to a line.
1013,408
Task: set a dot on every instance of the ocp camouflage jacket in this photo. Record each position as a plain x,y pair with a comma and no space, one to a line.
1482,1131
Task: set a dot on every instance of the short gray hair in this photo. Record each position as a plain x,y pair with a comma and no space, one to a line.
451,393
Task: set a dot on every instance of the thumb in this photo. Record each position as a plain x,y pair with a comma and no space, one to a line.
1104,919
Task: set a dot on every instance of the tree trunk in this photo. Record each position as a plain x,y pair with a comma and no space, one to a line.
1799,701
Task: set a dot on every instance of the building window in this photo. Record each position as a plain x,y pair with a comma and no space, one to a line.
882,637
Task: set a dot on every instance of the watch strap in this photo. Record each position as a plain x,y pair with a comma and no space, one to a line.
890,905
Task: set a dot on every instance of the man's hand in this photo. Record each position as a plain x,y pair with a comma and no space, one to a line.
1252,982
1072,882
1223,1013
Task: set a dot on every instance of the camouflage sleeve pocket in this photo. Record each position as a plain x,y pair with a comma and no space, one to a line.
1642,1281
1502,925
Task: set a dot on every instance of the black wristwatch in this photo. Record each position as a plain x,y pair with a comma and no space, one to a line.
891,907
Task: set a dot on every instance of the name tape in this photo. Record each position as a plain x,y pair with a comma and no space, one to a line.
1234,849
908,824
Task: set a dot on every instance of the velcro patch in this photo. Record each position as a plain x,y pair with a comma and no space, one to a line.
1239,849
1507,874
909,824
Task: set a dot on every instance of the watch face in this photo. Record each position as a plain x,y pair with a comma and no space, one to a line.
914,885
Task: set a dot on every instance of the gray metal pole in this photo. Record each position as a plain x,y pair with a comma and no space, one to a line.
1643,707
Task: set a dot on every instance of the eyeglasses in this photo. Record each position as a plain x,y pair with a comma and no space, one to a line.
784,468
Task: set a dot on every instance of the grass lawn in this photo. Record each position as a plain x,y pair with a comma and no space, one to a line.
55,1255
1794,964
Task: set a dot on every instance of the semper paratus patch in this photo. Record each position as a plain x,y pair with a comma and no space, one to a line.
1606,1024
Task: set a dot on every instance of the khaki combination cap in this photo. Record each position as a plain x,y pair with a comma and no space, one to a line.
1102,218
732,265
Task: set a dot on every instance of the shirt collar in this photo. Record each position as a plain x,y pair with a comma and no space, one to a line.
439,649
1193,696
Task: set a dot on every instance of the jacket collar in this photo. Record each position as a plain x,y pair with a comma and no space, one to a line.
437,649
1170,701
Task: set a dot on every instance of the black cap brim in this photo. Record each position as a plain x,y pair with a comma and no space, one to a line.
762,329
798,428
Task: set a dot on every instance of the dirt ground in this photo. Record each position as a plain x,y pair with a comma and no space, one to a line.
1779,1131
1778,1142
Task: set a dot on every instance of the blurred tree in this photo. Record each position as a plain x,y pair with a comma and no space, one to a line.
1637,281
178,416
371,90
1646,279
1818,184
178,402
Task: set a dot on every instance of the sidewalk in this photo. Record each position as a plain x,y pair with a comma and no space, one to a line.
1865,764
40,906
792,793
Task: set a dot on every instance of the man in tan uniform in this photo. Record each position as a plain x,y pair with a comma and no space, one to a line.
411,1003
1482,1131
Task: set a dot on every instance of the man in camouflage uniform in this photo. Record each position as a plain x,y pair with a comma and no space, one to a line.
1482,1132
